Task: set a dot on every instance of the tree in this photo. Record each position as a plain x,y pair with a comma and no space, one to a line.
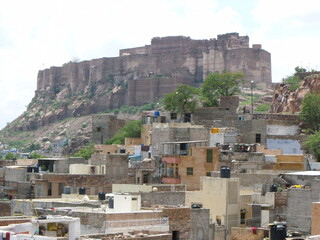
300,69
11,156
131,130
85,152
182,100
35,155
293,81
220,84
310,111
312,144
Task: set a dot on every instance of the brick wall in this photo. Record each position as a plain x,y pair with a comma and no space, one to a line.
248,234
13,221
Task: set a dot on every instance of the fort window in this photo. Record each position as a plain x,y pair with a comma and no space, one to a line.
258,138
98,129
189,171
209,155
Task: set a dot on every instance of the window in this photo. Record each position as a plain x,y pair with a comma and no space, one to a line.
173,116
258,138
189,171
145,178
208,174
243,216
61,188
98,129
175,235
209,155
49,189
187,117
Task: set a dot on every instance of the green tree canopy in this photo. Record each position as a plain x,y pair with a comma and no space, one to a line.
11,156
312,144
310,111
85,152
35,155
182,100
293,81
220,84
300,69
131,130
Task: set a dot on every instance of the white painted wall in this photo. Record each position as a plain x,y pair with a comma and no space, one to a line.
216,138
126,203
280,130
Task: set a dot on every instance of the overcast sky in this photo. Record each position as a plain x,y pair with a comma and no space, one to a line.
35,35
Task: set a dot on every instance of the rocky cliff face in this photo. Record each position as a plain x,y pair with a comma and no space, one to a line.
285,100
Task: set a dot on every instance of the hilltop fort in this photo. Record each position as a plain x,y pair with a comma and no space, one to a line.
140,75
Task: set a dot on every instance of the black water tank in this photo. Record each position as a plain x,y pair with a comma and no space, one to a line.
122,150
224,172
82,191
111,203
278,231
273,188
36,169
102,196
29,169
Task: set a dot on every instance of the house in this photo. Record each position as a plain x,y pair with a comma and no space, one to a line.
184,163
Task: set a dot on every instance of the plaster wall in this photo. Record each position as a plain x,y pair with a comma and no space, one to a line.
221,196
116,188
281,130
162,198
15,175
288,146
79,169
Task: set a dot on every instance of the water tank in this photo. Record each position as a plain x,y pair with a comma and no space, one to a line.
36,169
122,150
224,172
273,188
102,196
67,190
278,231
111,203
29,169
82,191
156,113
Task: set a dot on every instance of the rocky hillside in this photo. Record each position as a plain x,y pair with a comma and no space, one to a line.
285,100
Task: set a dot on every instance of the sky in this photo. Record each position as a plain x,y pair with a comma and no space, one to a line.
38,34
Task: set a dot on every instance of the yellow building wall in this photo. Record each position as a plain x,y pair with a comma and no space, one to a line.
132,141
290,162
197,161
221,196
146,134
